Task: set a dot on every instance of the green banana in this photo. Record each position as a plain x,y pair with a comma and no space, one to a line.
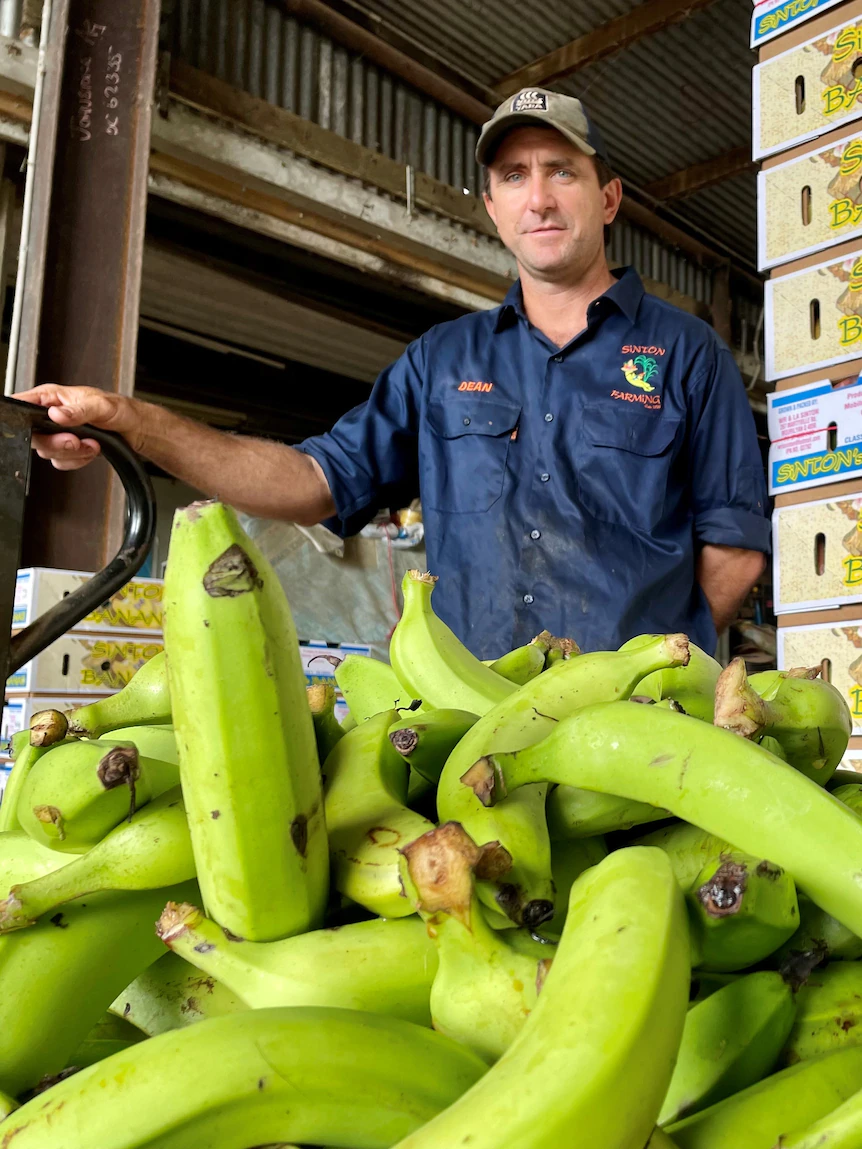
47,727
568,862
818,939
367,817
559,649
851,796
842,777
483,990
704,984
79,791
706,776
159,742
109,1035
840,1129
24,758
326,1076
370,686
7,1105
594,1059
152,850
427,741
575,813
688,847
519,824
756,1117
171,994
828,1013
808,717
248,757
692,686
327,730
22,859
82,789
144,701
433,663
522,664
59,977
379,966
741,910
660,1140
730,1041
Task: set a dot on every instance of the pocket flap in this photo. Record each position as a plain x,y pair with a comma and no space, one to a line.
473,416
641,432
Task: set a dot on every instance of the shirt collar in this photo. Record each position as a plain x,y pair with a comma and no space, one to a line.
626,294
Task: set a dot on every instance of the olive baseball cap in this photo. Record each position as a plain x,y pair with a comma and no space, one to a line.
549,109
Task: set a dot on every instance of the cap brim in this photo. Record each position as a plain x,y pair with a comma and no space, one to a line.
490,138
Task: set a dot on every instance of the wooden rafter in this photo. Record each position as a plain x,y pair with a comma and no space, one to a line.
623,31
703,175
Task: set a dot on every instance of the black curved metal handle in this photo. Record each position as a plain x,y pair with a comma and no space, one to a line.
137,541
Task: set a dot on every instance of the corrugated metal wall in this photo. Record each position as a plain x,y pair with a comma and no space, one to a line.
255,46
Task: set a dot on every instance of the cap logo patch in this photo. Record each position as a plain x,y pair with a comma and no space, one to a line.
530,100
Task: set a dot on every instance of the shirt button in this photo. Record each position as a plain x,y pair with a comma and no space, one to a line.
528,598
535,534
549,418
558,359
545,477
466,422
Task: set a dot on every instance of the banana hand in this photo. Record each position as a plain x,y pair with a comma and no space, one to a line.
328,1076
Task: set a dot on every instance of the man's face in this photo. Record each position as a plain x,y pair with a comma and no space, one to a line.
547,203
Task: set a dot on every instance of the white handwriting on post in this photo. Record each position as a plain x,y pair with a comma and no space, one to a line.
82,120
112,89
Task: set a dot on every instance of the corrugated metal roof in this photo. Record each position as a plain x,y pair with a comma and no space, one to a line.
672,100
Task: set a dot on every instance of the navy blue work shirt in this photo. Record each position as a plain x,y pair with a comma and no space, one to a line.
562,488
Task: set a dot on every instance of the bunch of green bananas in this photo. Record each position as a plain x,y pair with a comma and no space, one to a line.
431,925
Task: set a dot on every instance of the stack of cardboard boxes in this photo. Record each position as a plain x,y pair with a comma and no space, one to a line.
94,660
808,137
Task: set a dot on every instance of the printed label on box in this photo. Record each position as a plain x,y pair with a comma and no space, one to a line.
813,317
137,606
839,648
316,661
89,664
817,552
815,434
807,204
772,17
807,90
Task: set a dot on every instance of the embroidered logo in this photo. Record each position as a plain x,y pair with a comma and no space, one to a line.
639,371
472,385
651,402
530,100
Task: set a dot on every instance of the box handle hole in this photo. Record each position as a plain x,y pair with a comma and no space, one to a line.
800,95
806,205
820,553
826,669
814,310
832,437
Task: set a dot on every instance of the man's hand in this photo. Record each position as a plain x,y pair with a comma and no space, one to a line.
72,406
726,575
259,476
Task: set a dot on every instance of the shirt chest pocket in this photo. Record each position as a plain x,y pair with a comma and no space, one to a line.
464,453
625,463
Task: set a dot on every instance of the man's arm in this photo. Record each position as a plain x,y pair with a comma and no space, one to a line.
262,478
726,575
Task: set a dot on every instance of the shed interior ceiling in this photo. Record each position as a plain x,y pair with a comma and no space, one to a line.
673,99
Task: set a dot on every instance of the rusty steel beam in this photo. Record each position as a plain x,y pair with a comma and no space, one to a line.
704,175
79,276
361,40
614,35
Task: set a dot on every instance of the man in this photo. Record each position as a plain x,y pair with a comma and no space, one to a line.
585,453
